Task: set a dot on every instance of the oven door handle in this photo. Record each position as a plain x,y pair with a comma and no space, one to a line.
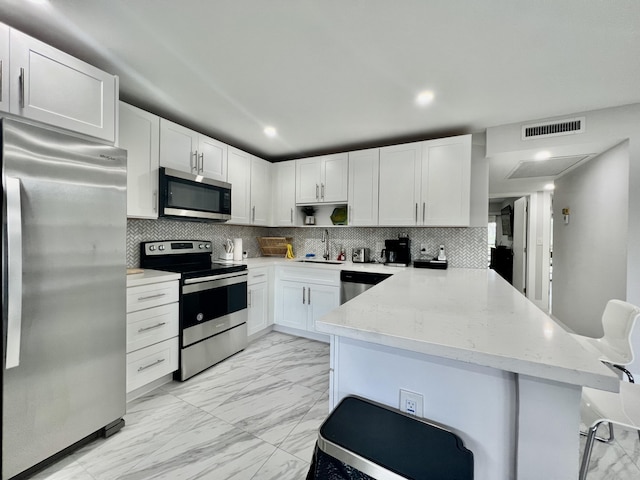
216,281
189,281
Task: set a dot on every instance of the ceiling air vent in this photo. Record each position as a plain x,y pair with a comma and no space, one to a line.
553,129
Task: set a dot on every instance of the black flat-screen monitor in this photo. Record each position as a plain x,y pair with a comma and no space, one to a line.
506,216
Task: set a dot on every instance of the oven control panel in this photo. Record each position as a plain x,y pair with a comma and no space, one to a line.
169,247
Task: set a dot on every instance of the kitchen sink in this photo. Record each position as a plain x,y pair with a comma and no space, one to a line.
327,262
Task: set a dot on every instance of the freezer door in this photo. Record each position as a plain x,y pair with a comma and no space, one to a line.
69,355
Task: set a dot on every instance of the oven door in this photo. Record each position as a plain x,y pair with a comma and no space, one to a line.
193,196
212,305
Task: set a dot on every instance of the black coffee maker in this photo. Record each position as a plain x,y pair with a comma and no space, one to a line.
397,253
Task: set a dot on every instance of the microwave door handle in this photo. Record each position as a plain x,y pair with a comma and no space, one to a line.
14,271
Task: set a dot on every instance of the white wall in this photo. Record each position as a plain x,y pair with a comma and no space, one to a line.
479,182
538,249
590,252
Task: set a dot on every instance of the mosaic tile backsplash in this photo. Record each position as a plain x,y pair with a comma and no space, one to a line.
464,247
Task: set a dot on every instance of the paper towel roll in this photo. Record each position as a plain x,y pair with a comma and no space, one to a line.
237,249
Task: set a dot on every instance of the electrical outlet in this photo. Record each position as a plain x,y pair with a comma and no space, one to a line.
423,248
411,403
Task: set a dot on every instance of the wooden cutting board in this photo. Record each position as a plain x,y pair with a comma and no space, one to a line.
131,271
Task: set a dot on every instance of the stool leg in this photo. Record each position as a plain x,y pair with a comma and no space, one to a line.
586,456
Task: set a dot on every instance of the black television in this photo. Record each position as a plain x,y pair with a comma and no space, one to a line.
506,217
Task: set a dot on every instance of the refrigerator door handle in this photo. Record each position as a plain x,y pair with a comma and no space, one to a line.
14,271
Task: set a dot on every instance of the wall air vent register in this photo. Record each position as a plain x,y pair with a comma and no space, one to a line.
569,126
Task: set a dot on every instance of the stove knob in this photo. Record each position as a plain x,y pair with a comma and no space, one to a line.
201,246
208,246
152,248
161,247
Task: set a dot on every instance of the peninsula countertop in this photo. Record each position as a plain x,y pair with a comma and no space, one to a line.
469,315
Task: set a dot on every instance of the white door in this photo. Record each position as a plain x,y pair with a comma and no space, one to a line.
520,244
446,182
4,67
257,308
140,136
308,180
53,87
212,158
334,185
178,147
284,193
292,308
364,171
399,193
260,191
321,299
239,176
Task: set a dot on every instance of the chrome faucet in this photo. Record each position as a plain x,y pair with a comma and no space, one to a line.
325,240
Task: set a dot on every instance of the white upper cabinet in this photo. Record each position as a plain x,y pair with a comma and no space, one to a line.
239,176
140,135
446,181
260,191
284,193
426,183
399,184
322,179
4,67
55,88
188,151
364,171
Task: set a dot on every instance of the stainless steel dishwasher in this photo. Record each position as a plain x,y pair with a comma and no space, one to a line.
353,283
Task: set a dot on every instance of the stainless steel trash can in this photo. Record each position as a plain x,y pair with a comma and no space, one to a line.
362,440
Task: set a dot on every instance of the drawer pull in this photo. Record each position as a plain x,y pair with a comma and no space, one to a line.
149,297
258,275
157,362
221,325
151,327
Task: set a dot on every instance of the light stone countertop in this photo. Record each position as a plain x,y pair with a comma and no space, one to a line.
347,265
470,315
150,276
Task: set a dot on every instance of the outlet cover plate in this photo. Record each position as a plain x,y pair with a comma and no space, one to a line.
411,403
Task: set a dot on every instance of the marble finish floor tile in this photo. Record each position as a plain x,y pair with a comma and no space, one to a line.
254,416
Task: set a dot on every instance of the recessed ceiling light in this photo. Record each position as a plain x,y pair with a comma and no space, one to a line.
270,132
425,98
549,186
542,155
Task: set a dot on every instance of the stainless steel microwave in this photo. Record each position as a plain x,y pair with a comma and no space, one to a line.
188,196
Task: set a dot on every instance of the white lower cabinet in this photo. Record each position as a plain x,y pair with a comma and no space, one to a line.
303,295
257,300
152,333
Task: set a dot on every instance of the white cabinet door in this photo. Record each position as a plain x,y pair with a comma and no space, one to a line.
212,158
284,193
178,145
321,299
140,136
4,67
446,181
364,171
258,308
292,304
308,180
260,191
334,184
239,176
399,192
53,87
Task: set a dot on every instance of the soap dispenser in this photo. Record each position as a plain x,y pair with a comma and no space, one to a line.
441,255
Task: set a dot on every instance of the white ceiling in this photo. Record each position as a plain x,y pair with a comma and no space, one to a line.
332,75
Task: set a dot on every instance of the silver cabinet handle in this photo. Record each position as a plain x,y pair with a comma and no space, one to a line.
14,271
158,325
304,289
201,167
309,297
424,207
416,213
350,214
253,213
21,83
292,216
1,65
248,298
154,201
194,165
149,297
157,362
322,191
258,275
317,195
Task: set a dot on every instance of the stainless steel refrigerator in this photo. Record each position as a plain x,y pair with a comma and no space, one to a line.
63,292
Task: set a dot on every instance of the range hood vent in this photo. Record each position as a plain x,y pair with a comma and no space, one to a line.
553,129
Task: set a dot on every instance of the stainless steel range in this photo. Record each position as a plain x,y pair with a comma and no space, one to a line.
213,301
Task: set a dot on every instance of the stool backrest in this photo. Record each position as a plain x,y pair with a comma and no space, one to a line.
618,320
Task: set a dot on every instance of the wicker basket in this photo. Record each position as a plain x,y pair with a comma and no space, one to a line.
274,246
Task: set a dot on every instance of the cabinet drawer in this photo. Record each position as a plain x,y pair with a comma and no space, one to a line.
320,276
146,296
258,275
151,363
152,325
